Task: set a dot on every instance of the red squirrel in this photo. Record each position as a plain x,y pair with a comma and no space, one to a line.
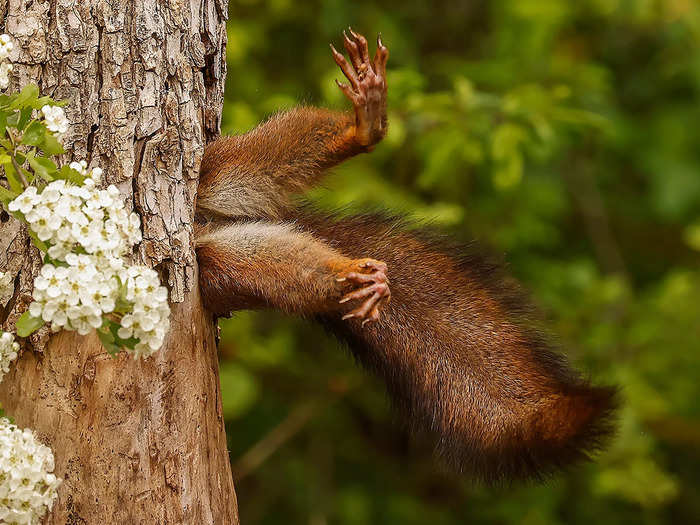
447,330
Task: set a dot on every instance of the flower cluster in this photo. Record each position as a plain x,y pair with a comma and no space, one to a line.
88,231
76,296
83,218
5,67
27,485
150,315
8,352
55,119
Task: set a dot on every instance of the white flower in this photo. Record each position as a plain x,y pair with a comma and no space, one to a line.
95,175
59,312
89,235
133,228
28,487
44,218
5,46
84,265
5,69
8,352
56,120
35,307
80,167
50,279
60,249
84,318
106,200
26,201
43,222
71,289
70,209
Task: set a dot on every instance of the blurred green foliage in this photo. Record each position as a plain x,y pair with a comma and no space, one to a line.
562,135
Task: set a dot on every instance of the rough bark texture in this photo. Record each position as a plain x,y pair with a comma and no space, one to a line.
135,442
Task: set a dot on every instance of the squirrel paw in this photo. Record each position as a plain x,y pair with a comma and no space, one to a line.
370,276
367,89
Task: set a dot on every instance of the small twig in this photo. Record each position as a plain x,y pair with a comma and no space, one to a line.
288,428
586,193
263,449
24,180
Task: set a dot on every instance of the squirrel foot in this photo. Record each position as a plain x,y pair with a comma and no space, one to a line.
370,276
367,89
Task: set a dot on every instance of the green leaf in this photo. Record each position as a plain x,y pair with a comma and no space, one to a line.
121,305
34,134
126,343
107,339
51,145
12,178
6,194
69,174
43,167
27,325
46,101
108,334
3,122
27,97
48,260
13,119
2,414
25,116
48,164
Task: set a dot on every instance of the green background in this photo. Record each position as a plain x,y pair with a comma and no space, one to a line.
561,134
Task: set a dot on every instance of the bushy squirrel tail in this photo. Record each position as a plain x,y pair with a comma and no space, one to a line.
462,360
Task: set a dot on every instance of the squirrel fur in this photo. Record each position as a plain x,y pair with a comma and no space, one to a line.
448,331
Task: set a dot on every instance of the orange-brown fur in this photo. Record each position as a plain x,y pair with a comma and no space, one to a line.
458,349
252,175
246,265
456,345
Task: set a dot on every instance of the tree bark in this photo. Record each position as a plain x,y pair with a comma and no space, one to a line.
134,441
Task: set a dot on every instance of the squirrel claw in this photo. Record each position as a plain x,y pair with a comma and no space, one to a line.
373,290
367,87
380,288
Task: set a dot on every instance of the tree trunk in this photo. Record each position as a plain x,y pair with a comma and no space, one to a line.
134,441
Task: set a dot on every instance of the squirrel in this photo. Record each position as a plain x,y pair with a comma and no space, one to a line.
448,331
